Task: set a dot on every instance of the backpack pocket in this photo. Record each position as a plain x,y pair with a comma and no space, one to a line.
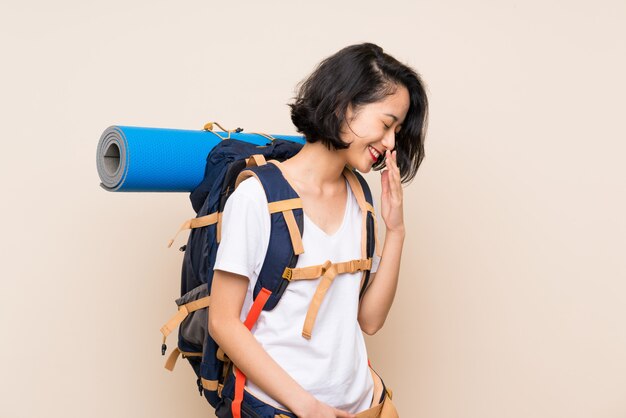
194,326
192,323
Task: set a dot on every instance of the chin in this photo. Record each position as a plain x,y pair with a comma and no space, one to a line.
364,168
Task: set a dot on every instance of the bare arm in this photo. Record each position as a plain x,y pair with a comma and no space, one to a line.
379,296
227,296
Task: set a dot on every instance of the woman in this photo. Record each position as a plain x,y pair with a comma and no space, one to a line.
363,109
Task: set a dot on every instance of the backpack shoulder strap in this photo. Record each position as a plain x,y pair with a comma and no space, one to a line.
369,232
363,196
287,225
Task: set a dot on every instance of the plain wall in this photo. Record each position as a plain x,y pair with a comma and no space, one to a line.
512,294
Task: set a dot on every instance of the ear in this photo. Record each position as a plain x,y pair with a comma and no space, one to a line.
348,117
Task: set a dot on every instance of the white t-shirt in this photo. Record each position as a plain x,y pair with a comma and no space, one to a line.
332,365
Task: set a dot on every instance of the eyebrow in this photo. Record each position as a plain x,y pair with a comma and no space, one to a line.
395,118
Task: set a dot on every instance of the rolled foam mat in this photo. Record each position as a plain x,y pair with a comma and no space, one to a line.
134,159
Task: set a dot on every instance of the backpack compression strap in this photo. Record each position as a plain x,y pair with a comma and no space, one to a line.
255,160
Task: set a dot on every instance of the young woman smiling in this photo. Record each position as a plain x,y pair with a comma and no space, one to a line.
363,109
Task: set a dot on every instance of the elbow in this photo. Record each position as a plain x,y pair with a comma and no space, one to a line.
370,329
215,327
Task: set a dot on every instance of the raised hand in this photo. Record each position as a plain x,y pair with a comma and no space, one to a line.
392,211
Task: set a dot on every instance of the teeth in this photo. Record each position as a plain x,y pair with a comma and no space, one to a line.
376,153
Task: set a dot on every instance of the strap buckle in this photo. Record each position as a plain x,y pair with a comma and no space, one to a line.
287,274
363,264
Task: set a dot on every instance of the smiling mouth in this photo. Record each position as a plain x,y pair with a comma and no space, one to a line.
374,153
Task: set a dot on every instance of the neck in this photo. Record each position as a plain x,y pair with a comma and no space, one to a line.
317,165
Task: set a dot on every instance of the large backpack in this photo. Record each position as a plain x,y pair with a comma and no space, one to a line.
229,163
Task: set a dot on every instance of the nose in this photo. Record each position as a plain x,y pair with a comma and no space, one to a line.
389,140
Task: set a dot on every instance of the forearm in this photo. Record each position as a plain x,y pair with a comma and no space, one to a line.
378,298
250,357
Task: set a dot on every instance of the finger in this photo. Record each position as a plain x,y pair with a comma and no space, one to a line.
395,186
384,180
395,163
393,166
395,160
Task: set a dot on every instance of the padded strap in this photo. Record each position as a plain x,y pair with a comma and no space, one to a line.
286,207
198,222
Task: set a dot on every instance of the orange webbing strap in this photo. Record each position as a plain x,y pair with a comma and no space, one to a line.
283,205
220,354
370,208
183,311
171,360
384,409
199,222
218,234
286,207
294,232
208,384
329,272
240,378
256,160
357,190
244,175
313,272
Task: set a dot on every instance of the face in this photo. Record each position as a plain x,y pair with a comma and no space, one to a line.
371,130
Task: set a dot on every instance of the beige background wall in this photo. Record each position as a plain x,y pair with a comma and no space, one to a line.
511,302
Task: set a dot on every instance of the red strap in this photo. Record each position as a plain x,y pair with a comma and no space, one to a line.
240,382
240,378
257,307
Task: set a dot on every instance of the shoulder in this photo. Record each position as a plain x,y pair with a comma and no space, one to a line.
249,190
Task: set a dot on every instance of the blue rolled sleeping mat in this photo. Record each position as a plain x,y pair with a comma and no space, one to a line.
134,159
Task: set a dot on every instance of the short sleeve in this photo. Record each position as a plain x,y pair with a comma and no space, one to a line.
375,263
375,257
245,231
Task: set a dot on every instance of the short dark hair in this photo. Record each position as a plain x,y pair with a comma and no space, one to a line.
358,75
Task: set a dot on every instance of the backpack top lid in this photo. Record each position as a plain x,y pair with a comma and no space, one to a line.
228,151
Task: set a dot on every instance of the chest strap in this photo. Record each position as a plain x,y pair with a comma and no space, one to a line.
327,271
